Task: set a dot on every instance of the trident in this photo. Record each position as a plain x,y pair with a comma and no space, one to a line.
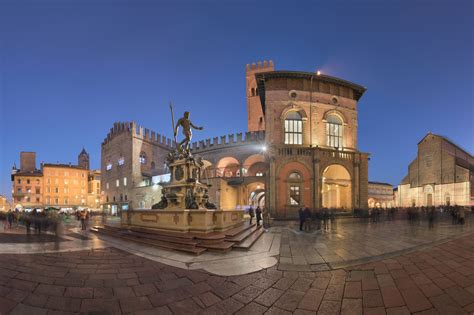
172,123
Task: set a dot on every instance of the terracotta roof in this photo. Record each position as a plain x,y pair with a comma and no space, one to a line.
28,173
63,166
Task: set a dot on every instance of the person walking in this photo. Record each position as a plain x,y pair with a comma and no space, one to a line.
307,219
251,214
461,215
301,215
10,218
431,214
258,212
83,216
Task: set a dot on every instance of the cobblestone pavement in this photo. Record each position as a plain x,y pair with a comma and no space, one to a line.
354,241
435,280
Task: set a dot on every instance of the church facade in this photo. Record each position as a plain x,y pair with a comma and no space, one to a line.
442,174
300,150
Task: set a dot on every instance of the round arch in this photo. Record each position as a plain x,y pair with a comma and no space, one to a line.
255,165
336,113
336,187
293,108
228,167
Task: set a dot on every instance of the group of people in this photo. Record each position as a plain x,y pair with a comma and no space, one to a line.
42,220
39,220
316,219
255,213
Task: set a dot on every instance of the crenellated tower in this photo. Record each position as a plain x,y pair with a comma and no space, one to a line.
256,120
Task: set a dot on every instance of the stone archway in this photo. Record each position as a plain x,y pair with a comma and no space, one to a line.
336,187
256,194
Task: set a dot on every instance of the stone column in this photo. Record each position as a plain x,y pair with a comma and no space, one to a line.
270,198
356,185
317,183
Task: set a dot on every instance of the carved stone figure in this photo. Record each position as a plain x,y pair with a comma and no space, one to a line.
186,124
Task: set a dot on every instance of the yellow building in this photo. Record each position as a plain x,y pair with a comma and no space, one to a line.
4,204
27,183
65,185
94,195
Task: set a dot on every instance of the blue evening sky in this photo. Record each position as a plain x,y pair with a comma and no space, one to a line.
69,69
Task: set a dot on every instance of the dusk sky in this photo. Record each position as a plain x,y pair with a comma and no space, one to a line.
70,69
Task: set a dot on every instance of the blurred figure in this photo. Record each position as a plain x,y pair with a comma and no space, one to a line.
258,212
301,215
431,217
251,214
10,218
83,216
307,219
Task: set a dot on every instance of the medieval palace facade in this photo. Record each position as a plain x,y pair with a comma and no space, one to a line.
300,150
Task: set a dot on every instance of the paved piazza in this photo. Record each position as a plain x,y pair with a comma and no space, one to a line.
355,267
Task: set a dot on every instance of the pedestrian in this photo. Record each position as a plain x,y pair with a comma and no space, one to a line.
307,219
325,219
461,216
301,215
431,215
251,214
10,218
83,216
332,217
258,212
27,223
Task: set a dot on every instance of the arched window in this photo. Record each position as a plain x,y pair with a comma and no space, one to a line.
142,158
153,165
293,128
294,187
253,92
334,131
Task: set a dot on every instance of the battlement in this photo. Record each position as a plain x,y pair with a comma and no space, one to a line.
260,67
251,137
139,132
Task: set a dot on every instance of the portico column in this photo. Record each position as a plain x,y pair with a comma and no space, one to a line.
317,183
356,185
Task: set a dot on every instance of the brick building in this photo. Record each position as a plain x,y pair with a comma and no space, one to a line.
300,149
441,174
132,158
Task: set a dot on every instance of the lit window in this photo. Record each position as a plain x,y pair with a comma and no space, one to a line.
109,166
334,131
125,181
294,195
142,158
117,183
293,128
121,161
294,176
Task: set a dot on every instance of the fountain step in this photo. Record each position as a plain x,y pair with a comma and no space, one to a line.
251,239
238,230
239,238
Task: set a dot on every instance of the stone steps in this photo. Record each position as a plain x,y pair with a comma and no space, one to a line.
251,239
243,237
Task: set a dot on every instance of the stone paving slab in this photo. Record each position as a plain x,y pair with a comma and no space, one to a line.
433,280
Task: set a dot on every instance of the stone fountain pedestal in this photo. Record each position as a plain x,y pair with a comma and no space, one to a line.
185,205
